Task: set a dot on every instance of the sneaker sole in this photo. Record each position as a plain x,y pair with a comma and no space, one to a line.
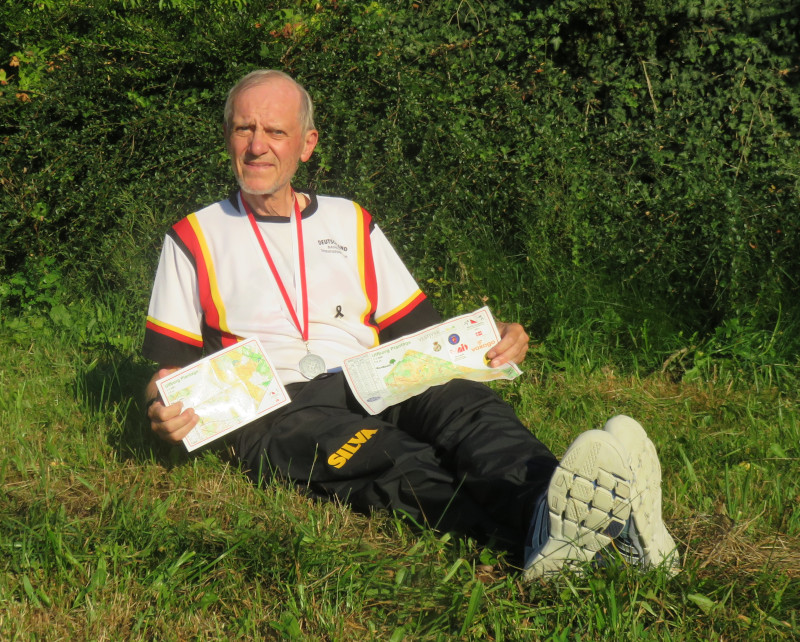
589,502
658,545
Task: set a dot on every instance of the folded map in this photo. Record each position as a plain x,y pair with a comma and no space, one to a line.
227,389
400,369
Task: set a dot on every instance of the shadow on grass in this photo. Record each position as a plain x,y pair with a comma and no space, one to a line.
113,385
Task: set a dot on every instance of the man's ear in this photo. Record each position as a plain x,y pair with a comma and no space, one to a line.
312,136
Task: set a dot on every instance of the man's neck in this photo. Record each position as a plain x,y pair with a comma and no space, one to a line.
279,204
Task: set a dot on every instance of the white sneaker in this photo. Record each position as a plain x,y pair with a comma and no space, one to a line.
653,543
588,501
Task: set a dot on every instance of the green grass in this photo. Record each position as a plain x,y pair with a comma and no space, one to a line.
107,534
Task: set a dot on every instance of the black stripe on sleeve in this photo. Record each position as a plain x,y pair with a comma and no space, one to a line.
168,351
182,246
419,318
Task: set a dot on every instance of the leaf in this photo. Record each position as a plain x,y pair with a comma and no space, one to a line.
28,587
472,609
705,604
778,451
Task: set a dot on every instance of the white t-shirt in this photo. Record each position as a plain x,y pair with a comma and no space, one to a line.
214,286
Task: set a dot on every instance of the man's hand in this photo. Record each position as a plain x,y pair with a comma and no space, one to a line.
512,347
171,423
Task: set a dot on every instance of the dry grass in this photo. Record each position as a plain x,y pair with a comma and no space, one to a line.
721,545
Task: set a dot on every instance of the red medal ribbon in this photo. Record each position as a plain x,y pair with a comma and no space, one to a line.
302,328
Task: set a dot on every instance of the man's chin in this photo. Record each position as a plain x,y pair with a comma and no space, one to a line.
255,190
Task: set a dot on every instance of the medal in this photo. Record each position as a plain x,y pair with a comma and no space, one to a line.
311,364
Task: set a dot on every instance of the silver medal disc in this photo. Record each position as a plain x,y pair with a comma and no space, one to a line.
311,365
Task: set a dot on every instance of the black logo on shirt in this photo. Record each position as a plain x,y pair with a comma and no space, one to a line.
330,246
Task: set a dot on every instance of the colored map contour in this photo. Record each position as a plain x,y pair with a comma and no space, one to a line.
419,370
230,388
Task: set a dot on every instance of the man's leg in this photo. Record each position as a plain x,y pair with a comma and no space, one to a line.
479,438
324,441
567,511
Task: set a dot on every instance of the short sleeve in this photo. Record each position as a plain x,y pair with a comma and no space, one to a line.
173,332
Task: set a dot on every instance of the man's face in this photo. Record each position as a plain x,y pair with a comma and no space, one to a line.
265,138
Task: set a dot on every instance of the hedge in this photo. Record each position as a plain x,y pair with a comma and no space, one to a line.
633,164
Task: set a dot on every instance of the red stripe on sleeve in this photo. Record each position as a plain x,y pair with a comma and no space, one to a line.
187,234
172,334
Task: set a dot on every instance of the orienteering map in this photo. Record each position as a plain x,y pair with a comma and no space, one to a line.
400,369
227,389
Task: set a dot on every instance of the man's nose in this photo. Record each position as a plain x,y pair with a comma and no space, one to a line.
259,143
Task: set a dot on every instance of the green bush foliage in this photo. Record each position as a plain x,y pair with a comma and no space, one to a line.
623,169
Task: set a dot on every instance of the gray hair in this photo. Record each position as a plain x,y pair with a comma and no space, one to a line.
261,77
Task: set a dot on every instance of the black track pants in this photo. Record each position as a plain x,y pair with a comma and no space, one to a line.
455,457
